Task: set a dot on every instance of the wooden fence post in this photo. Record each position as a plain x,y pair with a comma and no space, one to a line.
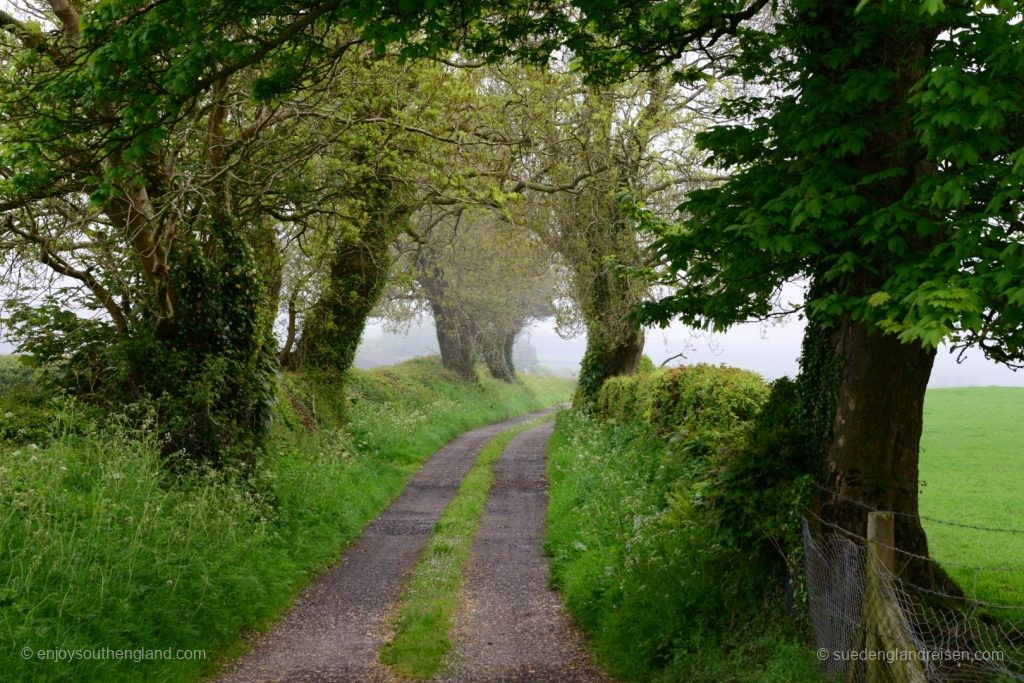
886,626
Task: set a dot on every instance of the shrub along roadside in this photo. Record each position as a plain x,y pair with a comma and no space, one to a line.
423,620
102,550
634,532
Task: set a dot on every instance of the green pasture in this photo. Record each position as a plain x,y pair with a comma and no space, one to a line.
972,474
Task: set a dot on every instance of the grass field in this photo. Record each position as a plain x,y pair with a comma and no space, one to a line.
972,469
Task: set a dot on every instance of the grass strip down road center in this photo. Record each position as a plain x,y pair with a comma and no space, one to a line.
422,621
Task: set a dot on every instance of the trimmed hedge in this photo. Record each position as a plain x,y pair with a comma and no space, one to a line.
708,403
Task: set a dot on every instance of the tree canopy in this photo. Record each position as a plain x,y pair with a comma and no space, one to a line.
191,173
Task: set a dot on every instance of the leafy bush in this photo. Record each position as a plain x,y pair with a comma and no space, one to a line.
635,532
13,372
760,497
711,404
645,365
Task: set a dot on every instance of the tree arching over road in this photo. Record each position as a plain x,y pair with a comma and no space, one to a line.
878,153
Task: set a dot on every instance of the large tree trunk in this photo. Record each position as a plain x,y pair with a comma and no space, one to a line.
357,276
607,298
872,455
456,332
609,353
456,339
210,366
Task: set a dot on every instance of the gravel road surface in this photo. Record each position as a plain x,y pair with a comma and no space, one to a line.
512,626
334,630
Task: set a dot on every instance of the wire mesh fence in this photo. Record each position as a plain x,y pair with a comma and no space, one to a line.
872,624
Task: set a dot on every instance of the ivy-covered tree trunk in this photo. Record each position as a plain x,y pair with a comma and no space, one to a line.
872,455
497,355
508,347
614,343
356,278
607,355
210,368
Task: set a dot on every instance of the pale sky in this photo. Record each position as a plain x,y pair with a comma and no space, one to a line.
770,350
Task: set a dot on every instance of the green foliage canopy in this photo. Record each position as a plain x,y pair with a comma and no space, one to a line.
881,153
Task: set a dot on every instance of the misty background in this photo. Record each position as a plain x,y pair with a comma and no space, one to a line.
769,349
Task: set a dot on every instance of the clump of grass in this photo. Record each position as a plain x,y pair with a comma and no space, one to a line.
638,565
102,548
422,623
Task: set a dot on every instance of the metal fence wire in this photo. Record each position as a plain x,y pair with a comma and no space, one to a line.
872,625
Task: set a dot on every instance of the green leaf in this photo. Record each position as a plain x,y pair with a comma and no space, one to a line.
879,299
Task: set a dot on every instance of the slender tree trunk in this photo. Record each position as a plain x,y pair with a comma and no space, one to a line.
872,455
268,254
509,345
286,358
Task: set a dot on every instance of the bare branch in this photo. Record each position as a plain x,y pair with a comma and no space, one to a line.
51,258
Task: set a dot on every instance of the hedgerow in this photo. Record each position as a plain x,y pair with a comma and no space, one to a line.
647,491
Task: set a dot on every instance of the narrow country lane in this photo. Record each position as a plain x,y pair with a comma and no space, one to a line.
511,625
334,630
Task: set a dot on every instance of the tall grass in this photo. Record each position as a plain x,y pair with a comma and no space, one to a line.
102,549
640,569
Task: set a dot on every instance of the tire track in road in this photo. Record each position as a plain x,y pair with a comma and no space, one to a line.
512,625
335,628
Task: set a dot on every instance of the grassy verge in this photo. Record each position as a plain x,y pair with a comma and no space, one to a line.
99,548
639,568
423,620
972,466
